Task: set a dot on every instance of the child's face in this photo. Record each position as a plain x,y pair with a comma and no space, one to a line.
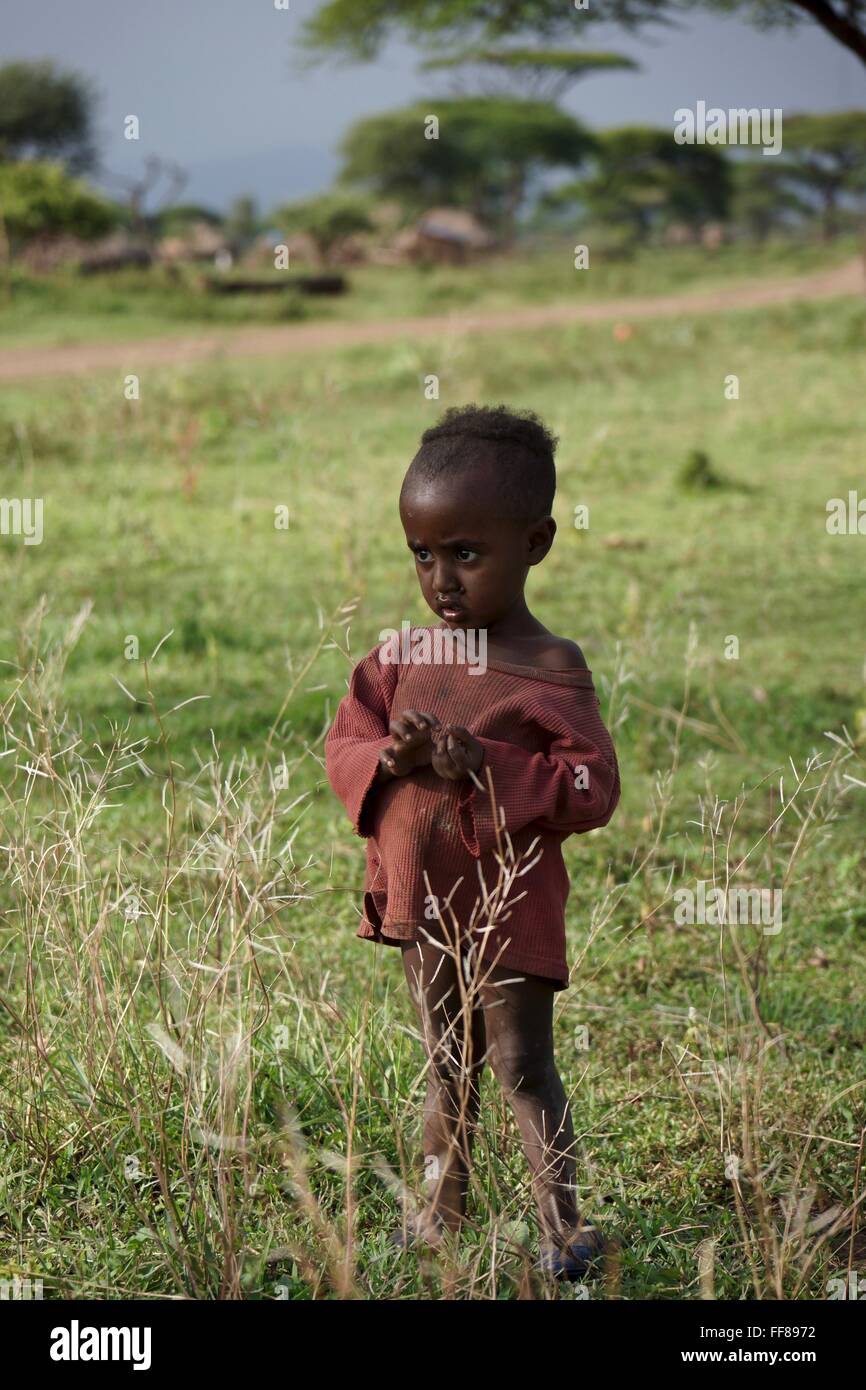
471,565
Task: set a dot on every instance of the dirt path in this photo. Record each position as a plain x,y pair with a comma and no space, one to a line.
16,363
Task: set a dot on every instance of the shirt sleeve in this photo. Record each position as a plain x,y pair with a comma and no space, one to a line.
359,732
572,788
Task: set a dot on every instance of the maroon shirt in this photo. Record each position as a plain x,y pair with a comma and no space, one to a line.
436,857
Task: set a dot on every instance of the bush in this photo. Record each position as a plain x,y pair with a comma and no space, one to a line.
38,198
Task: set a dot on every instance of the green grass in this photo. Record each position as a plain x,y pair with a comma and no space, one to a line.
66,309
160,514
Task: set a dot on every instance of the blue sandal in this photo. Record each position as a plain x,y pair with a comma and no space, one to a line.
578,1258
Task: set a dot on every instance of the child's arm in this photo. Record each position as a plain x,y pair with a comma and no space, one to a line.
359,734
573,788
365,747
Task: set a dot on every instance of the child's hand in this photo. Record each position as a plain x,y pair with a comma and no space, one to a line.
412,743
455,752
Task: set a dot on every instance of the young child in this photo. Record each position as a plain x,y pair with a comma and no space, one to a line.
465,779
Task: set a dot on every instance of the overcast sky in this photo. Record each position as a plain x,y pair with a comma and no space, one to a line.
214,85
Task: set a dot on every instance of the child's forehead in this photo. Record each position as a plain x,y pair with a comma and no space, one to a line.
472,486
444,509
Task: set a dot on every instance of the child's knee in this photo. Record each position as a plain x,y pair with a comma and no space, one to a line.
523,1070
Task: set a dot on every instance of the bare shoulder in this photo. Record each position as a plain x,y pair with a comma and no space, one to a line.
560,654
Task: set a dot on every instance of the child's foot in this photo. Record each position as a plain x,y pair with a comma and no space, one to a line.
574,1260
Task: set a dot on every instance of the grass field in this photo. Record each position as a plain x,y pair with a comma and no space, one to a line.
208,1086
65,308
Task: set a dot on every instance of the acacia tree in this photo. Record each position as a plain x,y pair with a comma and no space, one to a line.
826,160
842,20
356,29
762,198
482,156
542,74
641,179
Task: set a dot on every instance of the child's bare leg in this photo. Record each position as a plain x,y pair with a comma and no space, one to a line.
456,1061
518,1020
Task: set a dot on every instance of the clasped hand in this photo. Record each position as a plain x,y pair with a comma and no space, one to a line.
419,740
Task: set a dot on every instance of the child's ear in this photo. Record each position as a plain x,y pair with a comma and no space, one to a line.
539,539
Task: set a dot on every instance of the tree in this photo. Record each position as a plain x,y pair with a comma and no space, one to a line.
762,200
482,155
826,158
137,190
842,20
357,29
328,219
242,222
540,74
178,217
46,113
38,199
642,180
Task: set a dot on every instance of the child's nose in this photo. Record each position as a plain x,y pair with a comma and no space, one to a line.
444,580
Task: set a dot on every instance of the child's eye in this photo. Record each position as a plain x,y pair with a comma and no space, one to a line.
421,553
464,554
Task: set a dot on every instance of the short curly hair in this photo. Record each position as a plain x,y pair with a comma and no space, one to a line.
521,447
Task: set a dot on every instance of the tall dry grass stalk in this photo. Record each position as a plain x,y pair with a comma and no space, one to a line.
139,977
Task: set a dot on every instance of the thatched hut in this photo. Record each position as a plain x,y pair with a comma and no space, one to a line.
120,251
49,252
199,242
450,236
260,254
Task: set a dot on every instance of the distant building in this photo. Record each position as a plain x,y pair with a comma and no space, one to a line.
198,242
710,235
261,255
47,252
449,236
714,235
119,251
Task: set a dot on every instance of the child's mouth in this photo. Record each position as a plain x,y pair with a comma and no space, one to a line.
451,613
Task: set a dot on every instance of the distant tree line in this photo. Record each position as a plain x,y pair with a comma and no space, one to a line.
496,155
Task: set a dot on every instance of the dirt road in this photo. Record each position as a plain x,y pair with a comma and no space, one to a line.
23,362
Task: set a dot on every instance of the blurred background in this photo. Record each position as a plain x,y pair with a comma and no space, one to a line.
165,154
